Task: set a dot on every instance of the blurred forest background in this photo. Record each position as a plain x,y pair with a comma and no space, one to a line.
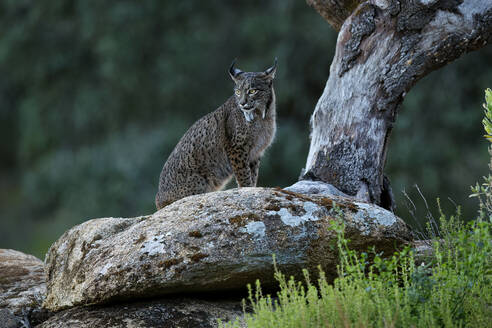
95,94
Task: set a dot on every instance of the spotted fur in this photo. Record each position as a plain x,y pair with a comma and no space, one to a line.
228,141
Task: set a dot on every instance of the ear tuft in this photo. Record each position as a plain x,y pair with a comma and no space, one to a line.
234,72
270,72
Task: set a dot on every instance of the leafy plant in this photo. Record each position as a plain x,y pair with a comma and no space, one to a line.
484,191
487,121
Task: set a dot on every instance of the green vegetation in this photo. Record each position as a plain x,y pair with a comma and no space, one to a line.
95,94
454,289
483,191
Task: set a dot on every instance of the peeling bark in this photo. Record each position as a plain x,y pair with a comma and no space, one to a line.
384,47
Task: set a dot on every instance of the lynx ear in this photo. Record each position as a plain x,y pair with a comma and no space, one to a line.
270,72
234,72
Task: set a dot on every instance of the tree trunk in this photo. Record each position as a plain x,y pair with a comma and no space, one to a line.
384,47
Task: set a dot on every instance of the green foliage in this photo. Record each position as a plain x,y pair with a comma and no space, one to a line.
484,191
95,94
454,290
487,121
436,143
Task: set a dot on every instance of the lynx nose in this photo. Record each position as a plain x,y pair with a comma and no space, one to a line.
244,104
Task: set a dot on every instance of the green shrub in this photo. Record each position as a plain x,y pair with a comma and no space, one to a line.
454,290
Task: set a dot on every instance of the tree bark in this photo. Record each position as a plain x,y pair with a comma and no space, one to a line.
384,47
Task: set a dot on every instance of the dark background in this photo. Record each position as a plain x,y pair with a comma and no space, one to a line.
95,94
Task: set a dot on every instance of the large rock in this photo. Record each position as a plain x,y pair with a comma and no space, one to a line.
22,286
9,320
171,313
208,243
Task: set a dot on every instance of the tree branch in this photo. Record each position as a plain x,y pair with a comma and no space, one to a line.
334,11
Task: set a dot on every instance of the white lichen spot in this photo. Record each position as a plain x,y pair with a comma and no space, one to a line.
210,245
153,246
255,228
63,247
383,4
310,208
105,269
295,220
428,2
371,215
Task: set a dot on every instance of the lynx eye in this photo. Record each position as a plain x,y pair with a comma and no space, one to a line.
237,92
252,91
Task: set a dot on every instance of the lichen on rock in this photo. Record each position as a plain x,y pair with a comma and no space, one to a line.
207,243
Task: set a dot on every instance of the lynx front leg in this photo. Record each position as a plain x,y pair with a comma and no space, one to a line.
255,167
241,169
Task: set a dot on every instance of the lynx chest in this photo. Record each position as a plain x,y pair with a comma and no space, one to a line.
262,133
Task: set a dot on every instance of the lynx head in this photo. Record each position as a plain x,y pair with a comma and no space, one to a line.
253,90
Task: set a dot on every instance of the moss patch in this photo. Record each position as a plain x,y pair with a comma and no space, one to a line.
198,256
195,233
169,263
325,202
241,220
272,207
